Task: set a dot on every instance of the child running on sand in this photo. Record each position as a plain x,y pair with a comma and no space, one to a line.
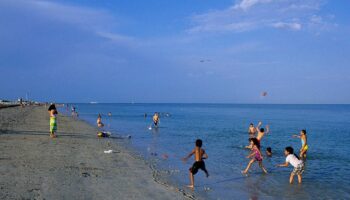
199,163
304,146
295,162
256,154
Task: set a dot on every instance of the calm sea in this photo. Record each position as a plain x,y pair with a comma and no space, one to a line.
223,129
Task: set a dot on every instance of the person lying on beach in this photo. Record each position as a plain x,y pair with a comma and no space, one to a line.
99,121
255,155
156,119
199,163
103,134
298,165
304,146
252,130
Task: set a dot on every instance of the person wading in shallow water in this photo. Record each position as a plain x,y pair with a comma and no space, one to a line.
156,119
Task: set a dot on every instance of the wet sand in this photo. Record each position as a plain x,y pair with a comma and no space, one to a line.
72,166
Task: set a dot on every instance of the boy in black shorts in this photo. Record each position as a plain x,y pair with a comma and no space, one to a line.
199,163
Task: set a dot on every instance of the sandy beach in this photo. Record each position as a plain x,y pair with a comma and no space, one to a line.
72,166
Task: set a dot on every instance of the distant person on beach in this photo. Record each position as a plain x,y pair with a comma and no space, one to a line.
199,163
304,146
99,121
73,111
145,115
156,119
252,130
53,123
109,114
269,151
255,155
293,159
21,102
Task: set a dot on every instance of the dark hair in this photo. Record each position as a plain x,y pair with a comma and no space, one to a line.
52,107
251,124
269,149
255,142
303,131
199,143
290,150
262,130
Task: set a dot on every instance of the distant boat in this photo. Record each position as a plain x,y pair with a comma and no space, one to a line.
93,102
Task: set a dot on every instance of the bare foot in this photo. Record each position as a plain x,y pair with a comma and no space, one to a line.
190,186
53,136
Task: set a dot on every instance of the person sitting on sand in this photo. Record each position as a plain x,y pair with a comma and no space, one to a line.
293,159
269,151
252,130
53,123
257,156
156,119
99,121
199,163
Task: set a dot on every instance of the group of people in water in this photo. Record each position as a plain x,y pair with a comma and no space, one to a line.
256,135
291,157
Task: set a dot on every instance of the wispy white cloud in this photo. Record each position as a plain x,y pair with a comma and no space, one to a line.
290,26
98,22
246,4
247,15
115,37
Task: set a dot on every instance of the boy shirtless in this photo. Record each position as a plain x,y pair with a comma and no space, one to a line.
262,132
155,119
199,163
252,130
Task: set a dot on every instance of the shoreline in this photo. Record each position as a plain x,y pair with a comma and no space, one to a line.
34,166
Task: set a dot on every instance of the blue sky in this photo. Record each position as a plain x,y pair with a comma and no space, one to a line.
176,51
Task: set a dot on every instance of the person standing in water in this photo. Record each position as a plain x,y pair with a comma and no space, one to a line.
53,123
99,121
298,165
156,119
199,163
252,130
261,133
304,146
255,155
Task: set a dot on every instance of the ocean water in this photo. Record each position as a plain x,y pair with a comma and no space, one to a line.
223,129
